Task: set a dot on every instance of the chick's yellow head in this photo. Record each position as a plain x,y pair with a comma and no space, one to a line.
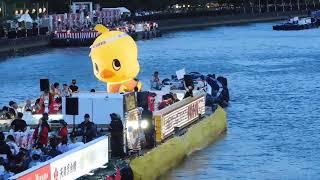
114,56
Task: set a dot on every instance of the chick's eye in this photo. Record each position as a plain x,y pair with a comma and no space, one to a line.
96,66
116,64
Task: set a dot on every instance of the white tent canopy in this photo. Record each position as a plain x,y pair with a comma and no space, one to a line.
122,9
26,18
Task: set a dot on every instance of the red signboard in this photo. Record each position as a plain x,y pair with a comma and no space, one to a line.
42,173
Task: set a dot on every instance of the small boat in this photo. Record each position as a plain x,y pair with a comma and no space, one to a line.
297,23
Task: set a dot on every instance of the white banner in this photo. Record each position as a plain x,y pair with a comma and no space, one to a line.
80,161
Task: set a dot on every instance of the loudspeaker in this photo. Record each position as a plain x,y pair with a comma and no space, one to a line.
72,107
188,80
44,84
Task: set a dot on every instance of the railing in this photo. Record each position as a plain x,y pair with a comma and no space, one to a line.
76,35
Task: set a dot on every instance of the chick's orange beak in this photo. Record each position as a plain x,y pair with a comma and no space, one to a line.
105,74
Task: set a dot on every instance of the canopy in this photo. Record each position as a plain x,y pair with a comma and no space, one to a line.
26,18
122,9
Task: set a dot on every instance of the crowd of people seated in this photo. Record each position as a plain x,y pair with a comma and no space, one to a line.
46,143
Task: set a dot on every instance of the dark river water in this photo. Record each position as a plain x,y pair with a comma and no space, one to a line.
274,79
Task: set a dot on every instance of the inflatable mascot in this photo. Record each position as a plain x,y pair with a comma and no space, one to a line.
114,56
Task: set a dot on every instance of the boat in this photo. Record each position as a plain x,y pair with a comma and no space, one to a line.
181,120
297,23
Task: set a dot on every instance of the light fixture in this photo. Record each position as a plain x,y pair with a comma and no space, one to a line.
144,124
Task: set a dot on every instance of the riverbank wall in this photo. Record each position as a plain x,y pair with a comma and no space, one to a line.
169,154
12,46
206,21
8,46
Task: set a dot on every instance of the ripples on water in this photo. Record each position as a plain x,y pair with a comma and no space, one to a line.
273,128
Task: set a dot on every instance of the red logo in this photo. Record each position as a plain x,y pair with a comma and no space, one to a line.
42,173
56,174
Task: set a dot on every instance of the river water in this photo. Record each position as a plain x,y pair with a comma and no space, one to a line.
273,120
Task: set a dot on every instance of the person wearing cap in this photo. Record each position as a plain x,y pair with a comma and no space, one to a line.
87,129
116,129
19,124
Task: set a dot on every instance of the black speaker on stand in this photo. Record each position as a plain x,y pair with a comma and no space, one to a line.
72,108
44,85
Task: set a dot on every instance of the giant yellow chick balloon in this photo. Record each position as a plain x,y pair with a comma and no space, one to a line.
114,56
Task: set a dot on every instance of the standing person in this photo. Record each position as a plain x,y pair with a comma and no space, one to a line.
202,84
116,128
28,106
40,135
63,131
87,129
66,91
56,90
155,83
19,124
73,87
189,92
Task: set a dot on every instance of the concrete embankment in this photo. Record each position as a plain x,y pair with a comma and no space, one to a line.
15,45
169,154
205,21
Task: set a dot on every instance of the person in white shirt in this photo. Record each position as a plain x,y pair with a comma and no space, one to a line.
74,143
13,145
63,147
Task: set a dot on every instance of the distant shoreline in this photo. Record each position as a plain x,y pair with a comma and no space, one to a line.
206,21
12,46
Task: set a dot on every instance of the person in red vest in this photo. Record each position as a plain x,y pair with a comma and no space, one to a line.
63,131
40,135
55,106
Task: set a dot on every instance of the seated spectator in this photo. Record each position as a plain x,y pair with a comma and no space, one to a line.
35,160
74,143
92,90
53,152
28,106
5,151
167,101
63,131
20,162
19,124
13,145
63,146
66,91
175,98
13,109
38,107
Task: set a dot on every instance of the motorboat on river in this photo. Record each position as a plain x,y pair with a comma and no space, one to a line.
297,23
